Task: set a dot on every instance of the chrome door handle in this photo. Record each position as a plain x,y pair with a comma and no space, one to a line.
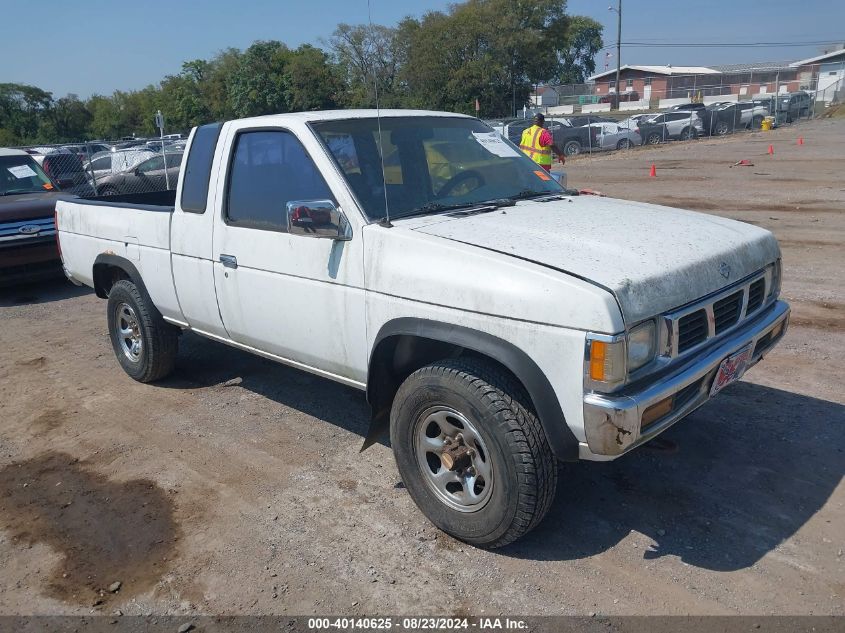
229,261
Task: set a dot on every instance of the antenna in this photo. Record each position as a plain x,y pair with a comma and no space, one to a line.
385,221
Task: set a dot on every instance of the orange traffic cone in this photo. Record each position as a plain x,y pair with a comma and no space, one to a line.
771,150
652,172
800,140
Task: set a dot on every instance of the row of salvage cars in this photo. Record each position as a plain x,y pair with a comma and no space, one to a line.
680,122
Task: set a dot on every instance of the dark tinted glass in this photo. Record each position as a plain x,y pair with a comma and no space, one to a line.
197,172
269,169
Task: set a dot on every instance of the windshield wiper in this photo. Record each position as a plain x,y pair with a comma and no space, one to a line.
527,194
436,207
13,192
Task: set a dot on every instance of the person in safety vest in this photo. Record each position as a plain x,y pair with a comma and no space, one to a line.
538,144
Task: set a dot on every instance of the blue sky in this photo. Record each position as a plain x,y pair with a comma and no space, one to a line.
97,46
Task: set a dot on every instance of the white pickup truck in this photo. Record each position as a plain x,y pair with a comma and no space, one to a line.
497,323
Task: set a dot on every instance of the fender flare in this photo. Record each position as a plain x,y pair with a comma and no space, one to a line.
116,261
561,439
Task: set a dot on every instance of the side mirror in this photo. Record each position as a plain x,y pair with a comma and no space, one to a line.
317,218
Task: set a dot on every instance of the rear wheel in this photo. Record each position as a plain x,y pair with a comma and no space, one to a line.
572,148
623,144
144,344
471,451
688,134
721,128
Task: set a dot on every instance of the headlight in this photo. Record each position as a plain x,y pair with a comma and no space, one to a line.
774,290
641,345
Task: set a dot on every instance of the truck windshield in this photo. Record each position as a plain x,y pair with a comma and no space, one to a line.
21,174
430,164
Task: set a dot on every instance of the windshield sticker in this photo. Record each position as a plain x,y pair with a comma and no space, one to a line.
22,171
542,174
495,144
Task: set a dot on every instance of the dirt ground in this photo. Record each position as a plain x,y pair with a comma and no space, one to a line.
236,486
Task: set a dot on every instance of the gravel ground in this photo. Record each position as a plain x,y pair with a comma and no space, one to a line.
236,486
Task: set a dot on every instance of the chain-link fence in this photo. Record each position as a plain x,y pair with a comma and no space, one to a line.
651,109
110,168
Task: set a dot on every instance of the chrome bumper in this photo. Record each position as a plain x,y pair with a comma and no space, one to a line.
613,422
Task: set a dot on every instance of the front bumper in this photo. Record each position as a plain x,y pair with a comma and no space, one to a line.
613,423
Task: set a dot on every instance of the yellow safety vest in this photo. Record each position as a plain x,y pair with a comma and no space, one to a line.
530,144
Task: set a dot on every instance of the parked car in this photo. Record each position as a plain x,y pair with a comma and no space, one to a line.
794,106
148,175
106,163
676,125
65,171
615,136
28,198
586,119
633,121
596,333
694,106
571,140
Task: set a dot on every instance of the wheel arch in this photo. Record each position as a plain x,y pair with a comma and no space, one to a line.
109,269
404,345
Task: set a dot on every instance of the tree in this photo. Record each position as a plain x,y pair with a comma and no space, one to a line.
68,119
312,82
578,59
368,59
21,108
258,86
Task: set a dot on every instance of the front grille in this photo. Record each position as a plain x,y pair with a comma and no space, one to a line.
756,294
22,230
692,330
726,311
718,313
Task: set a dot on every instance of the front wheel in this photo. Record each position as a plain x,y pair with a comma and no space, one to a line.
623,144
654,138
144,344
572,148
471,451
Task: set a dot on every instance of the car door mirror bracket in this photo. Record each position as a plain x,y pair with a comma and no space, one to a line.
317,218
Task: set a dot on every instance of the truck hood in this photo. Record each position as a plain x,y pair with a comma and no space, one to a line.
29,206
651,258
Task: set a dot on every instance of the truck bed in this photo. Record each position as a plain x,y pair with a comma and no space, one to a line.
130,226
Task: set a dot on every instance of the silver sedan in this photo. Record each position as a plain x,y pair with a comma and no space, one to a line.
615,136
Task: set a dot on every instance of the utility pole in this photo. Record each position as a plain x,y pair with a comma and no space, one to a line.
618,49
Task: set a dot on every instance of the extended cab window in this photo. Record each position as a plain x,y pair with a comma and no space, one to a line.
269,169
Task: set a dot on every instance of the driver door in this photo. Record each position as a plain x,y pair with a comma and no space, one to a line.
299,298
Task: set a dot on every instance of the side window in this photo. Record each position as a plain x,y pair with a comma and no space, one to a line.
269,168
197,173
104,162
152,164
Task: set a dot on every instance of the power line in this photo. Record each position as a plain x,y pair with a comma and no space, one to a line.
726,44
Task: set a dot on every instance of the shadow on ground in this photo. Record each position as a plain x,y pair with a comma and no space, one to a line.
41,292
753,466
204,363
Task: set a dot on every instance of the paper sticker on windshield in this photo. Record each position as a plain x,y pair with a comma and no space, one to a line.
22,171
495,144
542,174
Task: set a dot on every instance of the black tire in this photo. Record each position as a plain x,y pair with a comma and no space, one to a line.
654,138
108,191
159,341
623,144
572,148
523,470
722,128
